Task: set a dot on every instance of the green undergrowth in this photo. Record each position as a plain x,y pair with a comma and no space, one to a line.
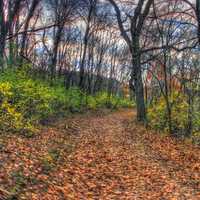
25,102
158,118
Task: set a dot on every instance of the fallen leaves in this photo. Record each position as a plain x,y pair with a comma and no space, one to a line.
111,157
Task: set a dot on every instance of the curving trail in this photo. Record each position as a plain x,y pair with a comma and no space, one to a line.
114,158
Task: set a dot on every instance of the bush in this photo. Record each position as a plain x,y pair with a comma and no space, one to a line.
10,118
103,100
25,102
22,105
157,113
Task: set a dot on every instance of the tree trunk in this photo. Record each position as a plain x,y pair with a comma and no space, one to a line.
198,17
3,33
168,104
86,38
57,39
189,126
27,22
136,81
2,47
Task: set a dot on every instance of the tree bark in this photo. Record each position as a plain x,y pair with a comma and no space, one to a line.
55,50
136,81
85,43
133,42
3,32
198,17
27,22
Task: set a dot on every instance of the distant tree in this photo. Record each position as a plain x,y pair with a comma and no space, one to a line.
198,17
63,11
90,13
29,16
6,22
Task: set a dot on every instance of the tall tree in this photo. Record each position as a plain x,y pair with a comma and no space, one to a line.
132,38
5,23
92,6
31,11
63,11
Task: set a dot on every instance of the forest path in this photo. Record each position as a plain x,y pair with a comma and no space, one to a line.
117,159
110,157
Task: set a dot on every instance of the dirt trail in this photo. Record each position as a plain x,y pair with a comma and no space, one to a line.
116,159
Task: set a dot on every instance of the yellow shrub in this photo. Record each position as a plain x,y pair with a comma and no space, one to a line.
157,113
5,90
10,118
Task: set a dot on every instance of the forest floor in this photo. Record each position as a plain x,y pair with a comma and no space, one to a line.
98,156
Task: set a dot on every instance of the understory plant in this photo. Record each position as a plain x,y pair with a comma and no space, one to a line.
25,101
158,116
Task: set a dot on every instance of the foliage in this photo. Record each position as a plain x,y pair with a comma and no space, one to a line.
157,113
10,117
104,100
25,101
